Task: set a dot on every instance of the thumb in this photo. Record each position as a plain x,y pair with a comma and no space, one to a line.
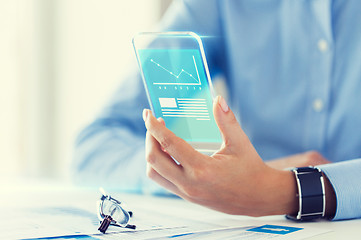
227,123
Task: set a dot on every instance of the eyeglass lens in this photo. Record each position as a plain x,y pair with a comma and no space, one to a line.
119,215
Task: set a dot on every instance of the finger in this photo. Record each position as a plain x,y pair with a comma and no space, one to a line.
310,158
162,162
227,123
155,176
175,146
313,158
161,120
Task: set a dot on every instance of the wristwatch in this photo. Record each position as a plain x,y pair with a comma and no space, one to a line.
311,194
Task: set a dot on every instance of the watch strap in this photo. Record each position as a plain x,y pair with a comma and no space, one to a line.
311,194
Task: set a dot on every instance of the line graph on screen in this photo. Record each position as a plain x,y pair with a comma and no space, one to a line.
182,77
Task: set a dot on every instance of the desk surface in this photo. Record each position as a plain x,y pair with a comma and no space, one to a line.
21,197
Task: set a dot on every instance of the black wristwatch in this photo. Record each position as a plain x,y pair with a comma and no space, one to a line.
311,194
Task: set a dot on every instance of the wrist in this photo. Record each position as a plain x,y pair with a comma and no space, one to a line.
280,192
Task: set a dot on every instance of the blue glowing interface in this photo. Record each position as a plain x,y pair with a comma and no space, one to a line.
179,92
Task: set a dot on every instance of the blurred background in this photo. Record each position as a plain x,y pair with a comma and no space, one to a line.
60,61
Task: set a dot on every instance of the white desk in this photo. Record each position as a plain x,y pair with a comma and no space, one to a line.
22,197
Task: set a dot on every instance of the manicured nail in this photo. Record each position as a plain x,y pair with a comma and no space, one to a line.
223,104
161,120
145,114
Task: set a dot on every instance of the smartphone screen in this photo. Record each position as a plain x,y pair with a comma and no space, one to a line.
180,92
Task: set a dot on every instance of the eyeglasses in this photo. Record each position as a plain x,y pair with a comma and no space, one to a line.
111,212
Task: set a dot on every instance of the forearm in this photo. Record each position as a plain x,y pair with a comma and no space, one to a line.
113,158
102,150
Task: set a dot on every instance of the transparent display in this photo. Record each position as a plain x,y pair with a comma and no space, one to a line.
179,92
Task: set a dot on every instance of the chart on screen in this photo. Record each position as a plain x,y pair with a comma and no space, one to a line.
182,77
179,90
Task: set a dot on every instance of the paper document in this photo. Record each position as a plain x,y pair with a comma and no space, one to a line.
251,233
73,214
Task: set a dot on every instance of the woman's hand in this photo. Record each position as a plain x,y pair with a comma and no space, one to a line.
234,180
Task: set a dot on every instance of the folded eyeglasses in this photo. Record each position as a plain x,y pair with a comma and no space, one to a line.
111,212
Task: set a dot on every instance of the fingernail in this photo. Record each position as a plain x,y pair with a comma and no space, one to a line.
161,120
145,114
223,104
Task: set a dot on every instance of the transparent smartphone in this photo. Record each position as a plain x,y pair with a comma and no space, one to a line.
178,84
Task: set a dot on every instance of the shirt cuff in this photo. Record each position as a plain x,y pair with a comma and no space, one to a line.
346,181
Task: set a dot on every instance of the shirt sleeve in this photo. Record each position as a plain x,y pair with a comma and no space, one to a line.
110,151
346,181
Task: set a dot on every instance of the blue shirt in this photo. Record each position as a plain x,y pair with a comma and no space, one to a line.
293,71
